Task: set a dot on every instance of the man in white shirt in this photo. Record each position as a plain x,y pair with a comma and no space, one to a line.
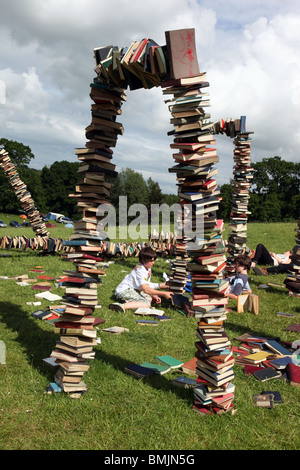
136,290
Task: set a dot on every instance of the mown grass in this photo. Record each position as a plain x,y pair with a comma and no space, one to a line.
120,412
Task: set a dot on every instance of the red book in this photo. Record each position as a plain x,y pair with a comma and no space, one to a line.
293,374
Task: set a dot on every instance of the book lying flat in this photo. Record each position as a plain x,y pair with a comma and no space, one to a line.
148,311
157,368
138,371
170,361
185,382
266,374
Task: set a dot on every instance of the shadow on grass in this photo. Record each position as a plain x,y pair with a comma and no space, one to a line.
38,343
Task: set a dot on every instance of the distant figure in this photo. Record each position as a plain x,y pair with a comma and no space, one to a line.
136,290
278,262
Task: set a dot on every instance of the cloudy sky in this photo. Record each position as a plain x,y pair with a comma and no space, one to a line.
250,51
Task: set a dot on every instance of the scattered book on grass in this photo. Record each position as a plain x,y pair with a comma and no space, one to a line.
138,371
267,373
147,322
157,368
295,328
185,382
117,330
249,302
293,374
284,314
189,367
169,361
148,311
265,401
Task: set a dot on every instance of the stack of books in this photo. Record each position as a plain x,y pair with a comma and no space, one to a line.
77,324
242,176
178,274
23,195
292,280
199,194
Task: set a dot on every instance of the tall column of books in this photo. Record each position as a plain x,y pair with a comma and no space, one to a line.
23,195
242,176
76,325
199,195
292,280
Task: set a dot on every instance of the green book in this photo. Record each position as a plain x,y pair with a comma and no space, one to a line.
170,361
158,368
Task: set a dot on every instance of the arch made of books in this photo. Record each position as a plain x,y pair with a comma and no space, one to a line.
174,67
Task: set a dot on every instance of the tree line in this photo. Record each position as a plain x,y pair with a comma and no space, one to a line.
274,195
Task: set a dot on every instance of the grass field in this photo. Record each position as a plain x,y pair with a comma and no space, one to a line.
120,412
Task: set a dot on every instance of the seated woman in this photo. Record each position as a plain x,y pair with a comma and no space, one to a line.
278,262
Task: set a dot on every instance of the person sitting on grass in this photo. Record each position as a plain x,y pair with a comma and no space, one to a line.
240,283
278,263
136,290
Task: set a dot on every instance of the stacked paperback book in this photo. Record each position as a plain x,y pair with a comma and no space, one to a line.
77,324
292,280
23,195
242,176
194,160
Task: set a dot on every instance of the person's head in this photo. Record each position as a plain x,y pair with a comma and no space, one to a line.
242,262
147,256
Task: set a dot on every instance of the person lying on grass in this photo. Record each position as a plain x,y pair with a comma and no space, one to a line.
279,263
136,290
240,283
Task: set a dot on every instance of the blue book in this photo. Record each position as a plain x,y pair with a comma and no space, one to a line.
186,382
277,347
54,387
281,362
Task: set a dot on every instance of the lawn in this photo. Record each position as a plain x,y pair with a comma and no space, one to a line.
120,412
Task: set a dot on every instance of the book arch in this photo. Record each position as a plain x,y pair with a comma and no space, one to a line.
174,68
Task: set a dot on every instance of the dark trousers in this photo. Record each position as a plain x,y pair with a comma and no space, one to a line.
262,256
281,268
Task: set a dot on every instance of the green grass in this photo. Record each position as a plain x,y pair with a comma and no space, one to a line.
120,412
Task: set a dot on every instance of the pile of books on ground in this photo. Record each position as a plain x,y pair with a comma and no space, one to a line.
268,358
23,195
292,280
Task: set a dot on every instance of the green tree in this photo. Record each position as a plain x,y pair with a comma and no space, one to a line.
129,183
59,180
155,195
225,203
20,154
277,183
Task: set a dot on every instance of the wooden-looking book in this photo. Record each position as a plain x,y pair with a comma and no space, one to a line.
249,302
182,55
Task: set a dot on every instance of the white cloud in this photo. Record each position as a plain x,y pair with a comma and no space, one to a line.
250,51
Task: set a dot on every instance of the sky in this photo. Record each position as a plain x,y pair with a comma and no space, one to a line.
250,51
